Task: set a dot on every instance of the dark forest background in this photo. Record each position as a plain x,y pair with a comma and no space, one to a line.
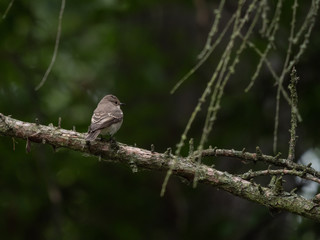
138,50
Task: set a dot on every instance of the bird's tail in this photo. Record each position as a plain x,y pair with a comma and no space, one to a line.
91,136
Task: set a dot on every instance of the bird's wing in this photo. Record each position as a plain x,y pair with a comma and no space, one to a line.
102,119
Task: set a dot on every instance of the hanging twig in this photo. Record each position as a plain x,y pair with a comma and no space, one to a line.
56,46
7,10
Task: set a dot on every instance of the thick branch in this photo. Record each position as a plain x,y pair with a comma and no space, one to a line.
145,159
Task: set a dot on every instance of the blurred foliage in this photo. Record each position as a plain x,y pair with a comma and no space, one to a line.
136,50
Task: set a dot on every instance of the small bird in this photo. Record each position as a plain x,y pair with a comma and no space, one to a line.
106,119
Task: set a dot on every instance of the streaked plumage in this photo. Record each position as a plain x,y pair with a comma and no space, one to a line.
106,119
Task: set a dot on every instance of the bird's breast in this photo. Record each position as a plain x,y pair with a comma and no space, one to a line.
112,129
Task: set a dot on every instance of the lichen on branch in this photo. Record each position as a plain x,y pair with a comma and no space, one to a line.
183,167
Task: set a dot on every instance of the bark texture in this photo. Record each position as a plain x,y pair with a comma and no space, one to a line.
270,197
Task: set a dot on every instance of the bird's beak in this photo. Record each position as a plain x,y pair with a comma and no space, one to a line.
121,104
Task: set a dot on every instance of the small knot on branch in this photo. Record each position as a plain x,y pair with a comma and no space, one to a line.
168,152
28,146
243,151
59,122
133,166
260,189
316,199
276,184
293,191
277,157
258,154
191,146
2,117
215,151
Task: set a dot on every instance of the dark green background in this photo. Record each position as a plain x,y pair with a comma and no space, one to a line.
138,50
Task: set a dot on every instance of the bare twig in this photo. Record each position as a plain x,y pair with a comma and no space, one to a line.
214,29
254,157
294,102
250,174
272,71
56,46
59,122
283,73
205,57
7,10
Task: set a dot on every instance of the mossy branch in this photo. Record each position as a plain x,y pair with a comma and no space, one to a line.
151,160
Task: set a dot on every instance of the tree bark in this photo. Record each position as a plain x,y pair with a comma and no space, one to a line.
150,160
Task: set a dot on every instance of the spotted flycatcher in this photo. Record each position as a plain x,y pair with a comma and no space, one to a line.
106,119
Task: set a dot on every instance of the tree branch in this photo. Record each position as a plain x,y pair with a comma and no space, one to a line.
145,159
250,174
253,157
